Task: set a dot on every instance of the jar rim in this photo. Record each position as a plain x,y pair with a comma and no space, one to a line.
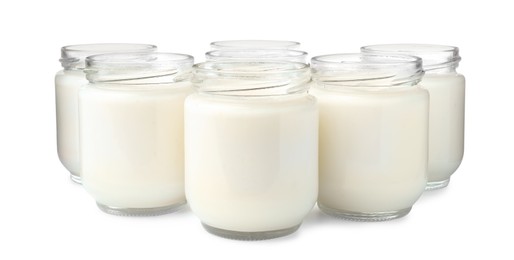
434,56
244,67
251,78
74,55
346,60
256,54
254,44
362,69
135,68
107,47
127,60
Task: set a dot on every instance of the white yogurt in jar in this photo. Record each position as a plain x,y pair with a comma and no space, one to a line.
251,155
373,146
447,95
132,146
373,154
446,127
67,84
132,132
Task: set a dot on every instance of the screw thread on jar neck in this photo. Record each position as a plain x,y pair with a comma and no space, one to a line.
366,70
251,78
436,58
138,68
257,55
74,56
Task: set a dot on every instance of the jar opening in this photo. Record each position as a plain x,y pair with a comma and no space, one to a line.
256,54
251,78
434,56
366,70
254,44
138,68
73,56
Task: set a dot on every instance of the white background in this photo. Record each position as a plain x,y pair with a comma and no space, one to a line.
46,216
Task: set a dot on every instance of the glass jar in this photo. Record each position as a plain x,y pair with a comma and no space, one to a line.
254,44
132,131
447,94
251,140
256,54
67,84
373,134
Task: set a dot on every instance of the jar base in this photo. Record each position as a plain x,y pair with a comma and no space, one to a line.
364,216
435,185
140,211
75,178
238,235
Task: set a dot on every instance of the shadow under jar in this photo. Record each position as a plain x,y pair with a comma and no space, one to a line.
447,94
251,145
373,134
67,84
132,131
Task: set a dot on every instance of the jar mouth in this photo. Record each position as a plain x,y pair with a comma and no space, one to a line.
138,60
434,56
254,44
366,70
73,56
139,68
251,78
256,54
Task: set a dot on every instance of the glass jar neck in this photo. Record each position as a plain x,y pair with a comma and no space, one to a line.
256,55
251,78
436,58
442,70
73,57
138,68
366,71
